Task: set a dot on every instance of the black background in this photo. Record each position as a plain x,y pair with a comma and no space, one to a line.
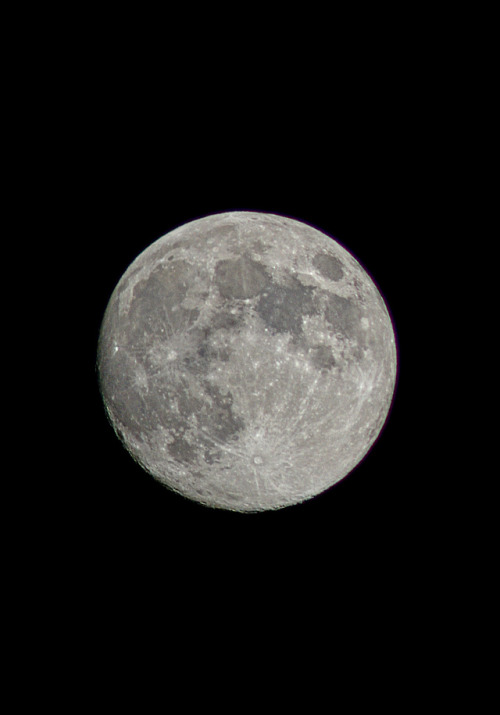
361,195
365,554
127,130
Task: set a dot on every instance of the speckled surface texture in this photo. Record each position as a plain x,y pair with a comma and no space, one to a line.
247,361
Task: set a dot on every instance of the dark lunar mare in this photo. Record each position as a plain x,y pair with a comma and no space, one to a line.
282,306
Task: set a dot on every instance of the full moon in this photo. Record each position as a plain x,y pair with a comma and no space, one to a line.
247,361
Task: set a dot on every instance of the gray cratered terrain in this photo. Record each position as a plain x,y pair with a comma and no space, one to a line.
247,361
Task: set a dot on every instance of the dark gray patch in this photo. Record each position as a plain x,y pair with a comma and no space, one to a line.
190,315
205,351
329,266
226,321
258,246
151,320
145,319
222,354
208,345
282,307
181,450
156,304
240,278
199,352
188,403
219,419
358,353
211,455
322,357
343,315
197,477
225,230
169,283
161,401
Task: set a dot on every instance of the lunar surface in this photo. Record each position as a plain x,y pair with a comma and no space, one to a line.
247,361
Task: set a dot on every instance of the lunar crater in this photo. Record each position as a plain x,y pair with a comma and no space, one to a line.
329,266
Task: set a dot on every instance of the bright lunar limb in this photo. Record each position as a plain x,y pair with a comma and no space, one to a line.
247,361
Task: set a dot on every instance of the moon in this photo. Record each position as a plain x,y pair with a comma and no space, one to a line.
247,361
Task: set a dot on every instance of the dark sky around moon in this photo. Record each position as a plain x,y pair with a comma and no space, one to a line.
142,193
352,208
370,540
367,163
